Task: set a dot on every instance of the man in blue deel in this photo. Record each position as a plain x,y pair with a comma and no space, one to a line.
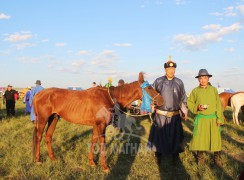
166,134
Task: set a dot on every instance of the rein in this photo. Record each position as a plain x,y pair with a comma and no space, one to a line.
132,115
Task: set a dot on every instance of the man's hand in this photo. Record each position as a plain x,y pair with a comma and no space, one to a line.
183,115
153,107
199,107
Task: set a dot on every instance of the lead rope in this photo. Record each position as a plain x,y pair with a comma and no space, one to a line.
132,115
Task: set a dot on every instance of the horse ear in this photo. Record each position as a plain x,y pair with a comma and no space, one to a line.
141,77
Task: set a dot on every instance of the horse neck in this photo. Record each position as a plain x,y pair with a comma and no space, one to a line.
127,93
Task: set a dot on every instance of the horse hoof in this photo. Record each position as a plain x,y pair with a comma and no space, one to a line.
38,163
53,158
92,163
106,170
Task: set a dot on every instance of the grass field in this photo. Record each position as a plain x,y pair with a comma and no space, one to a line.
127,155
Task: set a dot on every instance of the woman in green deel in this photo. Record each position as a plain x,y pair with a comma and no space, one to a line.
205,103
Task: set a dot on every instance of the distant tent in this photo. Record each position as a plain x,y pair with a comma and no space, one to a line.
220,90
75,88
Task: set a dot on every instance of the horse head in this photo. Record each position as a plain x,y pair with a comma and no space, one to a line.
156,98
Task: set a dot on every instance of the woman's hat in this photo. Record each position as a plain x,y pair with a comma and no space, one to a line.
203,72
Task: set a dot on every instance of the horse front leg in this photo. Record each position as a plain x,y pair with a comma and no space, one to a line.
102,128
93,143
237,109
49,133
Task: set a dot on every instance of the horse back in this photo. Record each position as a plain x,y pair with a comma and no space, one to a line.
82,107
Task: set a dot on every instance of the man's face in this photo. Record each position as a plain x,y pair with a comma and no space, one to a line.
9,88
203,80
170,72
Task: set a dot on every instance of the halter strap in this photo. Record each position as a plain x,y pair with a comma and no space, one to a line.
150,114
110,96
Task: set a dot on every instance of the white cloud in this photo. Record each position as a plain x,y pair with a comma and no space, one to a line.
23,45
179,2
123,44
4,16
196,42
83,52
44,40
216,14
231,49
212,27
74,67
5,52
241,9
28,60
105,59
229,11
60,44
18,36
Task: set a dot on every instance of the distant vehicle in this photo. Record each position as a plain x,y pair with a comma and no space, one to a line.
75,88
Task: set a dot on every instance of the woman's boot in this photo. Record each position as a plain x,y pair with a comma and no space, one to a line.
217,159
200,158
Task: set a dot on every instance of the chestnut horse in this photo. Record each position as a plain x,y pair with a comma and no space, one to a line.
237,102
88,107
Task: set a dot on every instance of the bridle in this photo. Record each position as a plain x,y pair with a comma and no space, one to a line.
150,114
153,98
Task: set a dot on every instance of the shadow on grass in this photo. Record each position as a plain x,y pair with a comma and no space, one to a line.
69,144
221,172
123,166
230,139
170,170
238,131
235,163
127,150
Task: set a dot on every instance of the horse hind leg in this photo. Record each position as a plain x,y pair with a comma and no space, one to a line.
52,122
37,137
101,134
92,146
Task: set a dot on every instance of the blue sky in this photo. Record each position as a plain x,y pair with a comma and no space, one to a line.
76,42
